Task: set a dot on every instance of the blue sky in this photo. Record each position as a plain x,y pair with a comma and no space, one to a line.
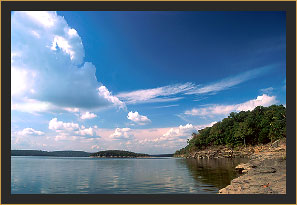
139,81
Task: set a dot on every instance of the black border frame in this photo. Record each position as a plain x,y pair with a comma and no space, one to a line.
8,6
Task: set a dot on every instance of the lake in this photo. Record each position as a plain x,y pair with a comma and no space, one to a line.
69,175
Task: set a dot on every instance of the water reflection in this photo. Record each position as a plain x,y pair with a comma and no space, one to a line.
50,175
213,172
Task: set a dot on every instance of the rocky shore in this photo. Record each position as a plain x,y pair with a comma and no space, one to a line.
265,173
218,152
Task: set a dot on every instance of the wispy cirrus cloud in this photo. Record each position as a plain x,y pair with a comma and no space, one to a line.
166,106
263,100
169,93
229,82
160,94
267,90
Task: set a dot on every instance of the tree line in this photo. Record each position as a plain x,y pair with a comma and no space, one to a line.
117,153
259,126
53,153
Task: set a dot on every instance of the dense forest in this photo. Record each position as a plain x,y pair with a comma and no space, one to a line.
117,153
259,126
53,154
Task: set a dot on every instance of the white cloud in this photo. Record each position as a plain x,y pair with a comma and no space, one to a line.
36,34
165,106
88,115
138,140
86,131
122,134
69,109
46,19
263,100
56,125
30,131
199,127
230,82
180,132
50,70
62,43
21,80
137,118
103,91
156,94
61,137
174,137
26,135
34,106
267,90
167,93
72,32
31,105
72,131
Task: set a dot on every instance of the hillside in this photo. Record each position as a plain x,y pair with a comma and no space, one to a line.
259,126
45,153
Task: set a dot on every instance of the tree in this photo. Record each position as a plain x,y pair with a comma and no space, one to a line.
261,125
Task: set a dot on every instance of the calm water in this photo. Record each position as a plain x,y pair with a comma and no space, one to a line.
53,175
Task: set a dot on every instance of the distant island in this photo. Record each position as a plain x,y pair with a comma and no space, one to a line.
118,154
106,154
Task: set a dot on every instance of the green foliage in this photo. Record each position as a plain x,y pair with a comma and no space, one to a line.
260,126
117,153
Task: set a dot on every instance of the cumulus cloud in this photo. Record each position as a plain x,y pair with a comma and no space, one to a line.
69,109
263,100
67,136
137,118
103,91
30,131
156,94
174,136
122,134
72,131
48,67
180,132
56,125
86,131
25,135
88,115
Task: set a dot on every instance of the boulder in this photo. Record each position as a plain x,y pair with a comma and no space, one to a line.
244,167
275,144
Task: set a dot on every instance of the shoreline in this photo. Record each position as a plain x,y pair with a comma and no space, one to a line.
264,173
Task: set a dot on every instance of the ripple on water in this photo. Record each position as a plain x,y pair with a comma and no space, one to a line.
50,175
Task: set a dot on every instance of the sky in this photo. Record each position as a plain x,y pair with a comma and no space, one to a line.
142,81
